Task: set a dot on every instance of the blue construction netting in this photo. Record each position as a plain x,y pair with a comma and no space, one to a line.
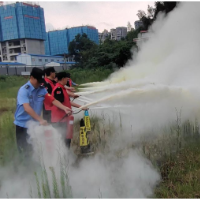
22,20
58,41
47,50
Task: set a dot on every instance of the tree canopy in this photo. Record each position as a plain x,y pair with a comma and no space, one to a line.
152,12
79,44
110,53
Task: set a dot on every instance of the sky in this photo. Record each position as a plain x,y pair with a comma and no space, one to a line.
101,14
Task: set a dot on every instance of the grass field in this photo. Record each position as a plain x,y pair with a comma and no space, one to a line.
8,92
181,174
176,154
85,76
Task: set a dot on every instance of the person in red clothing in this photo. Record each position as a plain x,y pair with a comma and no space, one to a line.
70,90
49,84
59,93
70,83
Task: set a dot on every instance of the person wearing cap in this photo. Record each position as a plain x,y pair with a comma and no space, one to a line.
59,92
69,87
30,100
49,84
70,83
69,90
56,78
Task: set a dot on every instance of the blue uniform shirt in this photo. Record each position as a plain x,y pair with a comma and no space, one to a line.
74,84
28,94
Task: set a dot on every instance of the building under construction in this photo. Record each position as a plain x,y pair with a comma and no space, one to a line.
57,42
22,30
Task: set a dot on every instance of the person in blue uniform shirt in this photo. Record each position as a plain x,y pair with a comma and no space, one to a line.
30,99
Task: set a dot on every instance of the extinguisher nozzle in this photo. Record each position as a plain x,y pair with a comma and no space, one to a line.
86,113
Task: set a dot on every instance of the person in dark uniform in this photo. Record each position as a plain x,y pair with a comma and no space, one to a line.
59,92
30,100
49,85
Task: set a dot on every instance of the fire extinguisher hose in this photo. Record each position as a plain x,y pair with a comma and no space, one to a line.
68,115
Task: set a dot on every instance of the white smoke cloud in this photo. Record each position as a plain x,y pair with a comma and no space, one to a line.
131,176
105,176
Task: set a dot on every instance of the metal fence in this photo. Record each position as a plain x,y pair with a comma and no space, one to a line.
18,70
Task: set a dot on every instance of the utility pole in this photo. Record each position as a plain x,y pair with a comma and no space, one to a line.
65,64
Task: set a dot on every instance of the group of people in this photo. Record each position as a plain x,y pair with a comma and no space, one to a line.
49,92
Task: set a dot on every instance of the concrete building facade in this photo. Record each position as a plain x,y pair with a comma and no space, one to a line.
10,49
103,36
138,24
118,33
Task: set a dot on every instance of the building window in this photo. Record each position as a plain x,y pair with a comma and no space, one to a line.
46,60
52,59
33,59
40,60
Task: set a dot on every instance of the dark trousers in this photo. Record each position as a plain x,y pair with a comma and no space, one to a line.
47,115
61,127
21,138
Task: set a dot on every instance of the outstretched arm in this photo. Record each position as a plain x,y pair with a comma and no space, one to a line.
62,107
77,105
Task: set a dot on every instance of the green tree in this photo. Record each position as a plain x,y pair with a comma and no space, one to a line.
165,7
152,12
133,34
110,53
79,44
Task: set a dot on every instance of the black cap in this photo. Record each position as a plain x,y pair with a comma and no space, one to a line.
61,75
38,74
49,70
